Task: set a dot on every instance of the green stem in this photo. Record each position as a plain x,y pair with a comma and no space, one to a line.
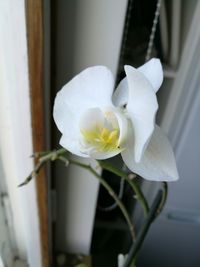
142,234
33,174
140,196
155,210
107,166
164,198
108,188
43,157
53,155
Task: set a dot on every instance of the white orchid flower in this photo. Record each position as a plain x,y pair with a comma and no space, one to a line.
96,123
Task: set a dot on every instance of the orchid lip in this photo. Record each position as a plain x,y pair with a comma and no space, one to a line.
101,131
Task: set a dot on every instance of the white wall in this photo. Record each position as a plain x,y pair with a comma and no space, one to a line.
89,33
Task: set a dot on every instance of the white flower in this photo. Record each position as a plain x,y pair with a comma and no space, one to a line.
98,124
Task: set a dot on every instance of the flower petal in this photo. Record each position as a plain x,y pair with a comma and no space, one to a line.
92,119
122,124
91,88
103,155
153,71
92,124
73,146
142,106
158,162
120,95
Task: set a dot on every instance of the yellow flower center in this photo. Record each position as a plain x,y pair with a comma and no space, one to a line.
103,139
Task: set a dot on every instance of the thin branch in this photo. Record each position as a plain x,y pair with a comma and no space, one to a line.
139,194
33,174
142,234
110,191
53,155
44,157
163,199
151,214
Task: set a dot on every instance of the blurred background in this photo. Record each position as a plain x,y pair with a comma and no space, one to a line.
44,44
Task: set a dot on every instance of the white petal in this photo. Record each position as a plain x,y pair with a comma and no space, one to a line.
120,96
91,88
153,71
91,119
158,162
123,127
122,124
142,106
103,155
97,119
73,146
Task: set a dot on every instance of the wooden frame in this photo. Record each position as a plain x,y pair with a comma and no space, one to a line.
35,31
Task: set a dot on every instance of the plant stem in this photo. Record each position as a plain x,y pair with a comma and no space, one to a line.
109,189
151,214
34,173
52,155
164,198
44,157
141,236
140,196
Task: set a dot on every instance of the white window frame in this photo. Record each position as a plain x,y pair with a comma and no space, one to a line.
16,133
